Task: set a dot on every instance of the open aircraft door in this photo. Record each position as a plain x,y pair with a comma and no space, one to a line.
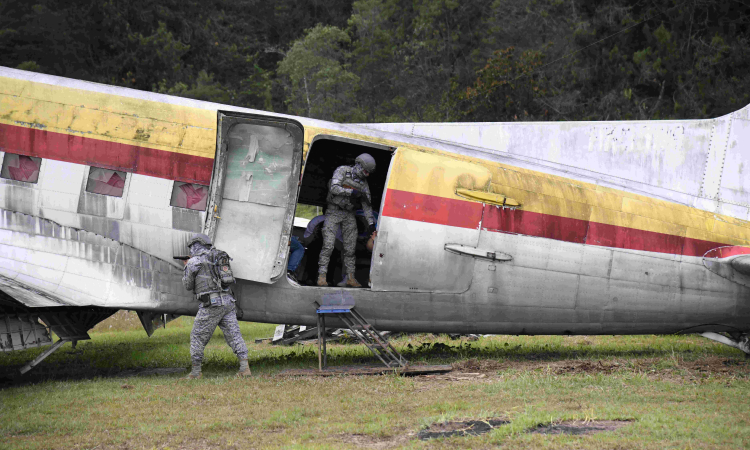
254,192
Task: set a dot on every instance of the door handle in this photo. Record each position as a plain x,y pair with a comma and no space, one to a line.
475,252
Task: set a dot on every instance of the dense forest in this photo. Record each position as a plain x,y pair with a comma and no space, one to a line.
409,60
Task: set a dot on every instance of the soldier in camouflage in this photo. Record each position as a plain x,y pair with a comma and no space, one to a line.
216,307
346,190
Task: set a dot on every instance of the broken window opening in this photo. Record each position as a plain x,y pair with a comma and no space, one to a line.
189,196
106,182
21,168
326,154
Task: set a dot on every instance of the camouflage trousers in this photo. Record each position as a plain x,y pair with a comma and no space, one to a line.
225,316
334,218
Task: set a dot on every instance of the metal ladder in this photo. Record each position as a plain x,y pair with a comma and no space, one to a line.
368,335
364,331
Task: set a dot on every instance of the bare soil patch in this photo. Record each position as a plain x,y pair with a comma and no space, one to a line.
376,442
713,365
461,428
580,427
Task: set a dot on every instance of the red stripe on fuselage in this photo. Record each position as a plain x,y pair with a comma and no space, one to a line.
467,214
432,209
109,155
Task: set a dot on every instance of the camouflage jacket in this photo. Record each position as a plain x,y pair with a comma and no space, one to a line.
340,190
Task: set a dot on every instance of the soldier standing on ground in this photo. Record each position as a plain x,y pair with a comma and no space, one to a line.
216,307
346,190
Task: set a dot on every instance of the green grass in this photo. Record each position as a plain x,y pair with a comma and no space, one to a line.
679,391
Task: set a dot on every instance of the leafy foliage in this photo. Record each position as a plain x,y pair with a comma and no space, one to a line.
390,60
320,84
506,87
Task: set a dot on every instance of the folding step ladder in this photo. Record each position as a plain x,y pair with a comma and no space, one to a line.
342,306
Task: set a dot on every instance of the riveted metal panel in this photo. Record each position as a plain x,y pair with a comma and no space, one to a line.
735,187
664,154
717,150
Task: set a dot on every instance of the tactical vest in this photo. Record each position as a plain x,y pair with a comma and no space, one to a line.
204,279
343,201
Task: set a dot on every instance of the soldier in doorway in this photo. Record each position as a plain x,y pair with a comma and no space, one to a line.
346,190
216,306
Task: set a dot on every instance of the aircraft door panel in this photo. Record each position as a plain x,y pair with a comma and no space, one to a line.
410,256
253,193
422,213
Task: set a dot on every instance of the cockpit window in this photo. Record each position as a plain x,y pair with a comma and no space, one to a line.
106,182
190,196
21,168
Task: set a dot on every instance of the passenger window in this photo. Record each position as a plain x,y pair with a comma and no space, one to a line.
21,168
106,182
190,196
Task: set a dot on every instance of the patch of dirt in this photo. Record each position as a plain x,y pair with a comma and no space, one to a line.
461,428
652,367
376,442
181,443
579,427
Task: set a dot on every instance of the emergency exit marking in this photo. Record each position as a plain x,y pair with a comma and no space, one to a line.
491,267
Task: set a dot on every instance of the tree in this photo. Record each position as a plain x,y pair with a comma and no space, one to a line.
318,82
506,87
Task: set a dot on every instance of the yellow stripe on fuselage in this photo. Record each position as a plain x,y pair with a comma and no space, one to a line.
108,117
422,170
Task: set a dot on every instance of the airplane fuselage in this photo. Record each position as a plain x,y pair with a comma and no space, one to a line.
474,235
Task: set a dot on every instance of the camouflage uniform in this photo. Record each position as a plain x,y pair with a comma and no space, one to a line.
349,234
220,311
341,208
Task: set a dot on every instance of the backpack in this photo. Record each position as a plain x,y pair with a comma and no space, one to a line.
220,268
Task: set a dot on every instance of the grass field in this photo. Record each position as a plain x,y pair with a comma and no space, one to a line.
677,392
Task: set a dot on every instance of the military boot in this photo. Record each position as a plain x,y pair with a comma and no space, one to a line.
322,280
244,369
195,373
351,281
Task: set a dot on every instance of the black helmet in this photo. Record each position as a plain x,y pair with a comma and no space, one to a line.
200,237
366,161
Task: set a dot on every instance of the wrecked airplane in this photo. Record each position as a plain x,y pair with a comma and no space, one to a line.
500,228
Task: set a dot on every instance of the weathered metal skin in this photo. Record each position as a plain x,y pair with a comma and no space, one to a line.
44,264
613,228
693,162
527,298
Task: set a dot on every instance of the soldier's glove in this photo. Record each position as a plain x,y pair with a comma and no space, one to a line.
356,195
370,229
